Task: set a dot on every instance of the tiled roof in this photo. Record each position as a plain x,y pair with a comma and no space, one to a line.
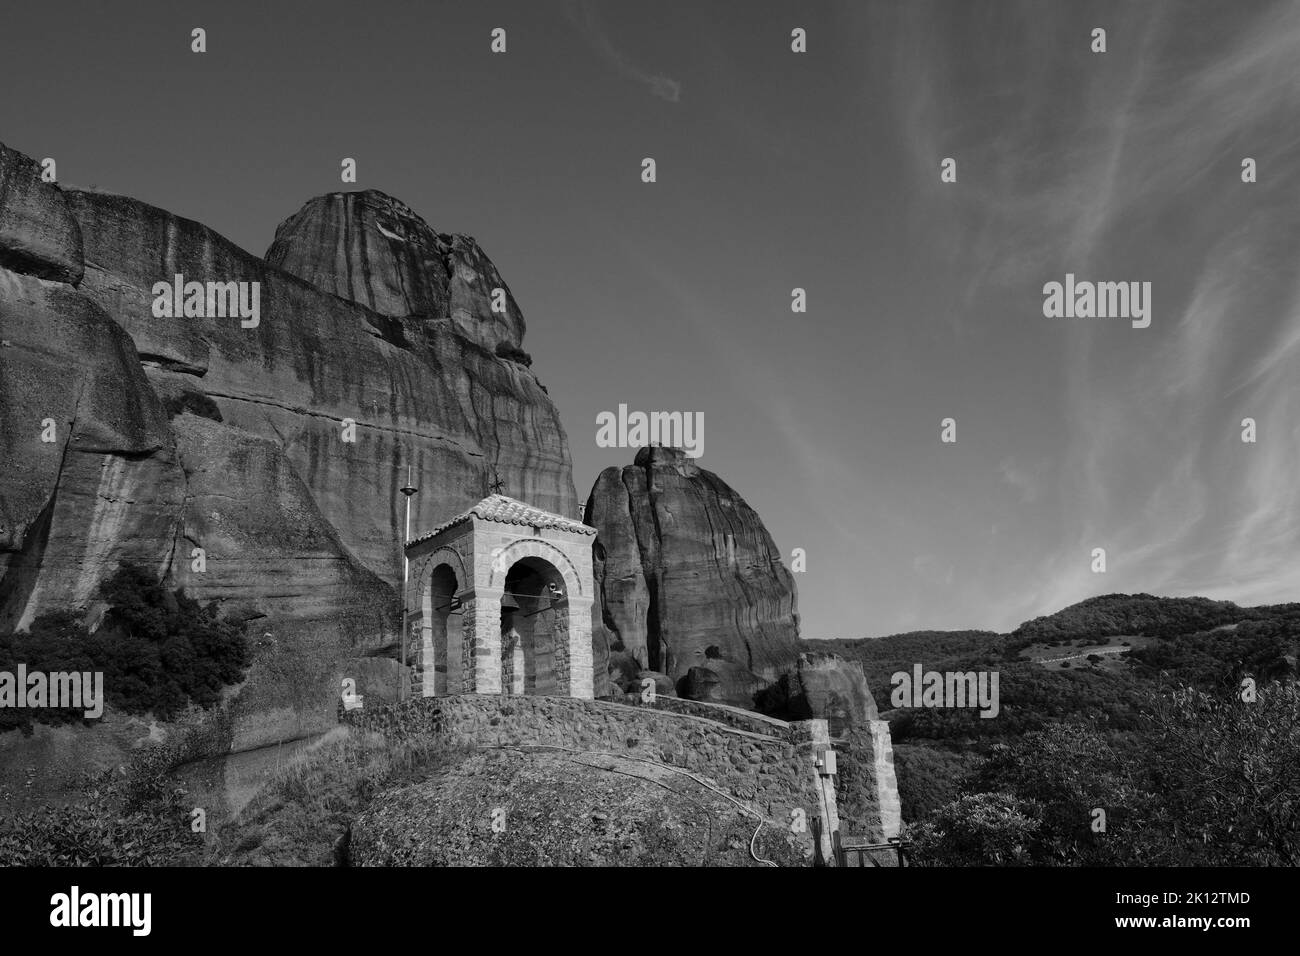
509,511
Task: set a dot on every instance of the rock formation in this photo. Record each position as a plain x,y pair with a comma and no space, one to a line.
419,391
688,581
38,235
171,434
372,249
829,687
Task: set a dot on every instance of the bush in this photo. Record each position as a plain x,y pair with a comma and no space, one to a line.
1065,772
981,829
1210,781
928,778
136,820
158,650
56,642
1226,773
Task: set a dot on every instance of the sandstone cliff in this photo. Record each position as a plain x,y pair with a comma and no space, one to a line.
827,686
688,580
38,235
172,434
373,250
419,391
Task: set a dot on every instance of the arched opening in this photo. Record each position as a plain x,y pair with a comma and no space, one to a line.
440,653
534,629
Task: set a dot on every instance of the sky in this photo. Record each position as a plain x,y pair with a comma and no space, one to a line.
820,170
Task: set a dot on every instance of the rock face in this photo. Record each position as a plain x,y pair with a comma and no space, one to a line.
372,249
419,392
829,687
88,470
128,436
688,580
38,235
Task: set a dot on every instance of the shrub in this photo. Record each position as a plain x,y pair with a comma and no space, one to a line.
158,650
928,778
1226,773
981,829
136,820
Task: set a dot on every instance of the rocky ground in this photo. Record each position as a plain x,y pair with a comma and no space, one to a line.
357,799
516,808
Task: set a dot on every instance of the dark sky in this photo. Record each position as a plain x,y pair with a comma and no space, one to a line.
821,171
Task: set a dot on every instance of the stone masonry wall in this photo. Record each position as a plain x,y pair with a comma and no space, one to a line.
772,772
731,716
865,789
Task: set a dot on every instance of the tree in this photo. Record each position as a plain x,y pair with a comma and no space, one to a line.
158,649
1227,776
1065,773
979,829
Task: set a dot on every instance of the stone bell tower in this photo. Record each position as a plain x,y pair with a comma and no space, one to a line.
500,602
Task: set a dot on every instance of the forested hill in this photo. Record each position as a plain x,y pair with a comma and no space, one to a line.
1095,668
1093,660
1146,615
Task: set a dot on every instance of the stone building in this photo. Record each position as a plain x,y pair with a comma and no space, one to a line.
499,601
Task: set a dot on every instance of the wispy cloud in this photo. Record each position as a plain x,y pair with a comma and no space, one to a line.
1025,479
584,15
1142,176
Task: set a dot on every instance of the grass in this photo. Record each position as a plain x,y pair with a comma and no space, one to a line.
299,817
1075,652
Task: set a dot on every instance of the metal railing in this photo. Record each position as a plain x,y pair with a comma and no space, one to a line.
867,851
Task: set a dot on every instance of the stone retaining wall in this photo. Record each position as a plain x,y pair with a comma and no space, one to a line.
865,792
770,771
733,717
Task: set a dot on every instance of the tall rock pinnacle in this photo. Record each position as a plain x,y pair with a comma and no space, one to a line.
371,249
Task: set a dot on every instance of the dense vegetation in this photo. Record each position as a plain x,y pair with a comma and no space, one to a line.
159,651
1260,642
100,831
1210,782
135,815
1138,740
1143,614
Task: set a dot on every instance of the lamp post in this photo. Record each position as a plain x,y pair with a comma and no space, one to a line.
408,490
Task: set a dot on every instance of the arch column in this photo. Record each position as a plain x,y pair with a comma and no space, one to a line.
451,654
573,657
481,640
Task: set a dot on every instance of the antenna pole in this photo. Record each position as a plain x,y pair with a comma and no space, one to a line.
408,490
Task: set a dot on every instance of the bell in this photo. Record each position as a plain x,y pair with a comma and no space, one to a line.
508,602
